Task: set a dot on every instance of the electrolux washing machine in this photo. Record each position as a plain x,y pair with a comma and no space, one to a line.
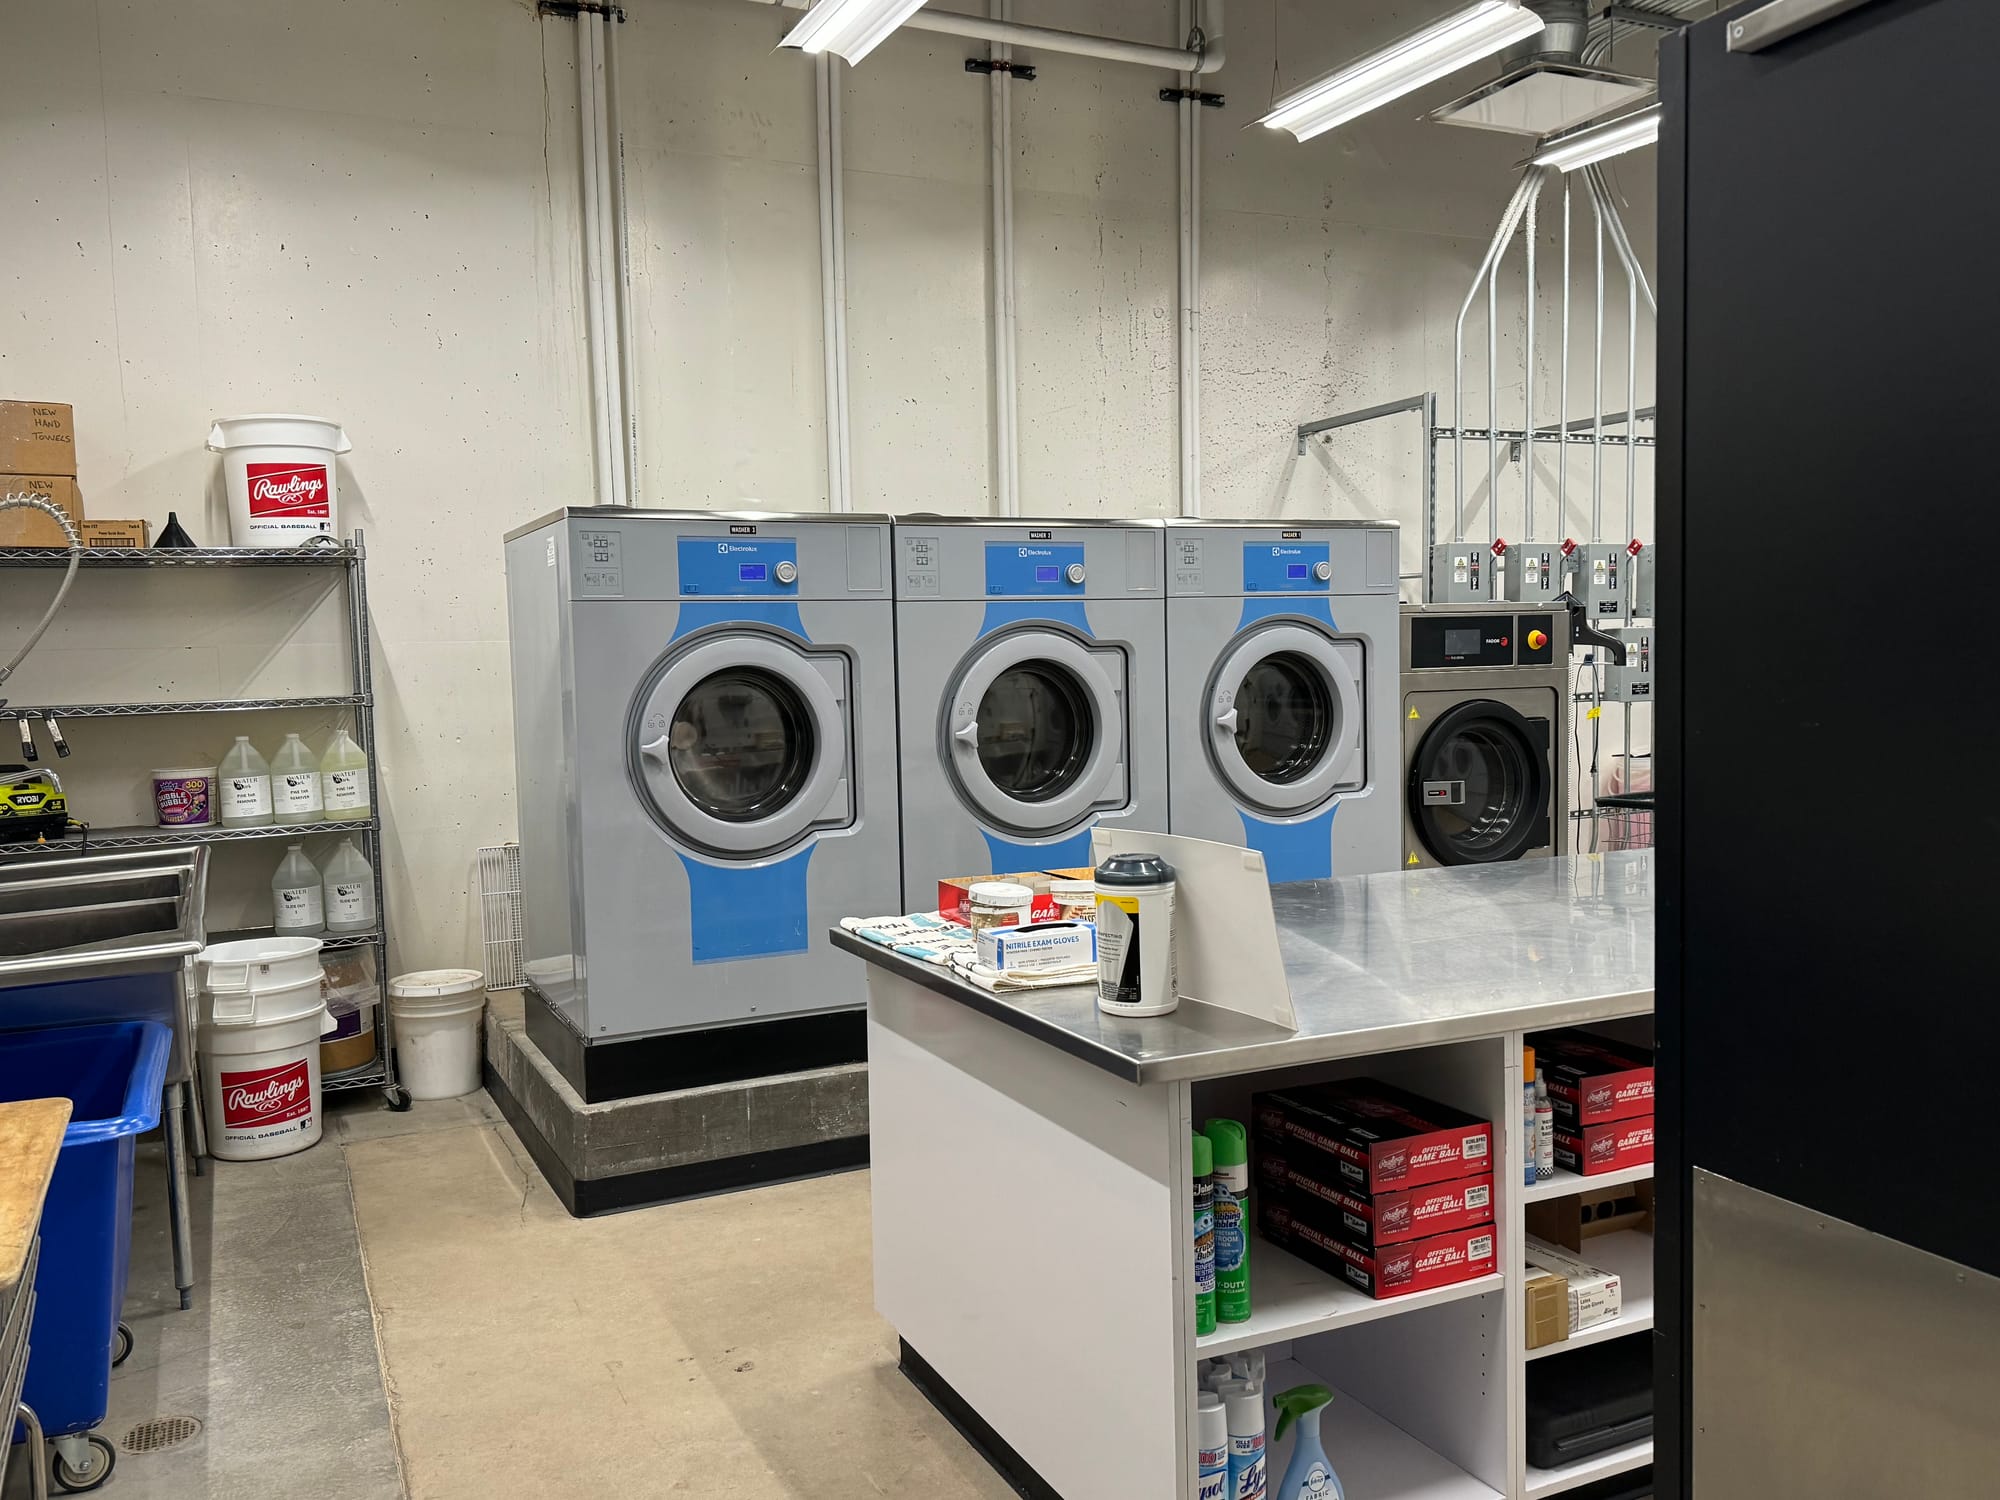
1485,715
1282,653
1031,674
705,720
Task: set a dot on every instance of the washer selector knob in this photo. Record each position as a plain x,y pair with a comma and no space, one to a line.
786,572
1323,571
1074,572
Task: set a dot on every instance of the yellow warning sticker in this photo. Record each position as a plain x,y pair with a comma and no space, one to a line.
1415,715
1594,713
1413,859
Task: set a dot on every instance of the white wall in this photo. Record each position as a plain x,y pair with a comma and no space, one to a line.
368,210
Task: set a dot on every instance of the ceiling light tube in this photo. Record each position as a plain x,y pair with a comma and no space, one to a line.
850,28
1594,143
1425,57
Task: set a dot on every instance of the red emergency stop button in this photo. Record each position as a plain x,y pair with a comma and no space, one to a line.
1537,639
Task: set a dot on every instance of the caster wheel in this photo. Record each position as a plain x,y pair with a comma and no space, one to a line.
121,1350
398,1100
103,1458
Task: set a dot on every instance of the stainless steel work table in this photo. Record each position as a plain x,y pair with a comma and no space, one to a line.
1032,1190
1376,963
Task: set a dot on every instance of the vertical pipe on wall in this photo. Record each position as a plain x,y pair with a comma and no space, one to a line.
831,269
1562,399
1528,387
1006,448
607,260
838,144
1635,284
1508,221
628,343
1190,285
596,324
1597,410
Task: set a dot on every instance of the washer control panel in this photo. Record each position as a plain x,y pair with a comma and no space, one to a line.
738,567
1285,567
1499,640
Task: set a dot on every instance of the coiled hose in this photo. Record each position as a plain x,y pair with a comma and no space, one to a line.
31,502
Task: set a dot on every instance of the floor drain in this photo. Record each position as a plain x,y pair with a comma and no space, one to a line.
159,1434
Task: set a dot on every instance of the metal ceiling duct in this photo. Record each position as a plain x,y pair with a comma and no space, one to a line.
1545,86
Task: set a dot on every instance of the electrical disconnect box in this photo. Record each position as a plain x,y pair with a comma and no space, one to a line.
1463,573
1643,596
1538,571
1633,682
1605,574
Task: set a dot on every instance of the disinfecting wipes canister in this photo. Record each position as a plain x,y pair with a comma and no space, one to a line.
1136,972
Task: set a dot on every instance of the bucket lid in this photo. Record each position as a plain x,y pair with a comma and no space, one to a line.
280,429
175,773
427,984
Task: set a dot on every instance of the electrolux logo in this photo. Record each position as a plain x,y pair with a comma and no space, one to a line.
1287,551
726,548
1035,552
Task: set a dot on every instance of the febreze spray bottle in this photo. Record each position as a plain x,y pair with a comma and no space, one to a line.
1308,1476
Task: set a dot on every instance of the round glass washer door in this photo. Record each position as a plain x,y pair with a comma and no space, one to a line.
739,744
1285,718
1033,732
1479,785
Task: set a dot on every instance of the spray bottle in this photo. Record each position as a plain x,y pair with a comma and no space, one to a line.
1204,1236
1545,1130
1528,1116
1308,1476
1243,1403
1229,1143
1211,1447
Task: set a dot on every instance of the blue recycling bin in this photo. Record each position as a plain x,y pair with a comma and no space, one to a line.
112,1073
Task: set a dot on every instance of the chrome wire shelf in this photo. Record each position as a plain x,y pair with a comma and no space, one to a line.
329,942
369,1075
207,706
147,836
345,555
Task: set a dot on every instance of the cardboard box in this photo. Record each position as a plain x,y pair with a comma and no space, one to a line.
1039,946
1595,1296
31,528
1390,1271
1382,1219
1573,1220
1547,1306
1605,1148
1593,1079
953,899
1374,1137
117,533
37,437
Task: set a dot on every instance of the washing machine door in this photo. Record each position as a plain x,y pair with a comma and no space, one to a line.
1034,731
739,744
1285,717
1480,785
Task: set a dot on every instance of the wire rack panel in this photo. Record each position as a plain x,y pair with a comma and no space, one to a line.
500,915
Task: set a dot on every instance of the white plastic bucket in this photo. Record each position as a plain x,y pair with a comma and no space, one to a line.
279,471
260,1023
436,1014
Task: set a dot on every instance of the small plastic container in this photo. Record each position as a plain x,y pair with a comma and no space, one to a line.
998,903
1076,900
184,796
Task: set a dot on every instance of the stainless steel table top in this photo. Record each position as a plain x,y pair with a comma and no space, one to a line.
1377,963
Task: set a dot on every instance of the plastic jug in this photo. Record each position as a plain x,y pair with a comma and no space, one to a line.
295,794
344,780
298,900
243,787
349,887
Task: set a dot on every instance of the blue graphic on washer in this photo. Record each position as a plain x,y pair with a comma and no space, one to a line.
1287,567
739,566
1033,568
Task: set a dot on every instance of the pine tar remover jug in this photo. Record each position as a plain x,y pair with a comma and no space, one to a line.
1136,973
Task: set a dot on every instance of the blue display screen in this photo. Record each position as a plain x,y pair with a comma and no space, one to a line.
1297,570
1048,575
752,572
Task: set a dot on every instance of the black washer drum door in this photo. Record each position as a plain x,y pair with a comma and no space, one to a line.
1479,785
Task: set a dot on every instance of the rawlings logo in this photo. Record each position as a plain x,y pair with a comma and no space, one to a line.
1604,1148
288,490
1600,1097
1392,1164
251,1101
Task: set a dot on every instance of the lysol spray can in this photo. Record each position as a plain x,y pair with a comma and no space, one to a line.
1211,1448
1136,972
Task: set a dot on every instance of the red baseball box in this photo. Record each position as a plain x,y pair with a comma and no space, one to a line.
1386,1218
1610,1147
1592,1080
1390,1271
1375,1137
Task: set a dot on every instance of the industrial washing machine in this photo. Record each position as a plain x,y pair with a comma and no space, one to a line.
1031,675
1485,713
1282,653
705,721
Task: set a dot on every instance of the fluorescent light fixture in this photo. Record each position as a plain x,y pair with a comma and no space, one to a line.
1544,96
851,28
1594,143
1425,57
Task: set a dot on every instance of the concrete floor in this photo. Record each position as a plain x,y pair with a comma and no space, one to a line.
726,1347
